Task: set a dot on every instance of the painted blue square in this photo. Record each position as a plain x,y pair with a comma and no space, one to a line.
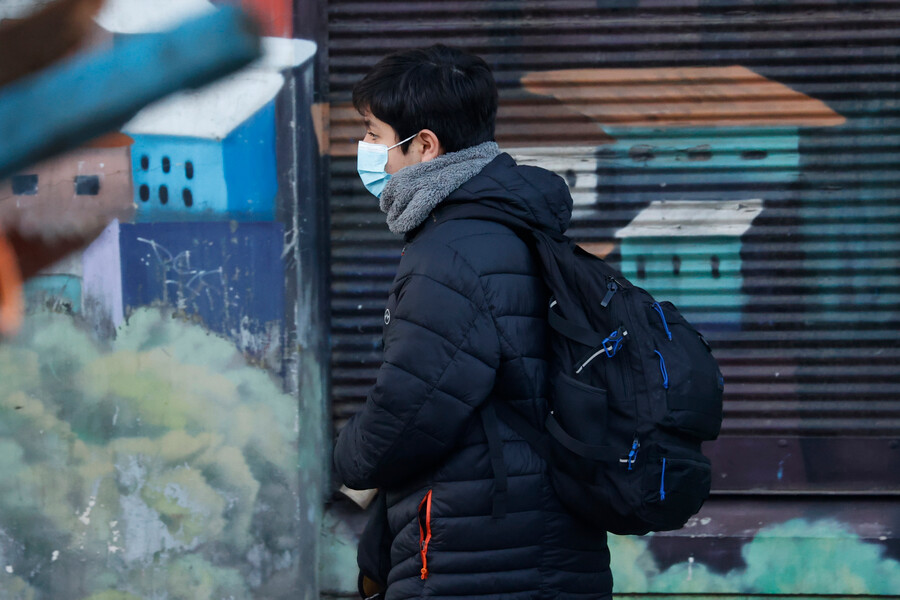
194,179
231,276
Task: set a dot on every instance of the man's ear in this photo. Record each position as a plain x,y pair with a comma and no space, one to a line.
431,145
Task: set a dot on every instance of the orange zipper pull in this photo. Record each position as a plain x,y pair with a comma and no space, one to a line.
425,531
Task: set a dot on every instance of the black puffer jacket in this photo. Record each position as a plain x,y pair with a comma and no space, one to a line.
465,322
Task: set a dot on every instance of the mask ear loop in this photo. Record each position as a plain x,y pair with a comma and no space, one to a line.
404,141
11,304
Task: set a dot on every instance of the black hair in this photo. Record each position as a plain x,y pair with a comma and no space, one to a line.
444,89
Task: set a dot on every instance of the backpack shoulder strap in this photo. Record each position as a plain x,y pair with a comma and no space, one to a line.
555,252
556,258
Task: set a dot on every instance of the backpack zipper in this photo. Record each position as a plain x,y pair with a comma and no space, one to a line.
632,455
424,531
662,317
662,369
629,391
612,286
662,481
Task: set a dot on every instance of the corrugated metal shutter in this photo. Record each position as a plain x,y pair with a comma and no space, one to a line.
773,126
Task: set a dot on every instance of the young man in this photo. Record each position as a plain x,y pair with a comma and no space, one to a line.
465,326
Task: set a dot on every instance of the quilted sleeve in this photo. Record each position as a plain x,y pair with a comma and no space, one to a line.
441,353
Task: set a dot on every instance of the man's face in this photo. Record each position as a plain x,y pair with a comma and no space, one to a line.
379,132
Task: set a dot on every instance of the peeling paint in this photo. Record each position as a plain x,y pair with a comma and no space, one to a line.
86,516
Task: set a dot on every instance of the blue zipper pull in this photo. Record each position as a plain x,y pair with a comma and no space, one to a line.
611,288
613,341
662,482
632,456
662,370
662,316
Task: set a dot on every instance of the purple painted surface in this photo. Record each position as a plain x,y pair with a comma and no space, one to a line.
102,285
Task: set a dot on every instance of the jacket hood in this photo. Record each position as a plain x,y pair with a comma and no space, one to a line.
535,195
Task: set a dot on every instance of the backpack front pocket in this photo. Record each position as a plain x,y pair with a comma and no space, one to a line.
674,487
689,373
580,409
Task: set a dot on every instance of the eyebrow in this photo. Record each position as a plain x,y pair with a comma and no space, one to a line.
367,122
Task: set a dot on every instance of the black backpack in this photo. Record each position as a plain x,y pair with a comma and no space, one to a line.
635,390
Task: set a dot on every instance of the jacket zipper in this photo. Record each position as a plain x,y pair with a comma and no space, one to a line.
424,531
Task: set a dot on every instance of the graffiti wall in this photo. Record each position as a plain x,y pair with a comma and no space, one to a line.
737,158
161,409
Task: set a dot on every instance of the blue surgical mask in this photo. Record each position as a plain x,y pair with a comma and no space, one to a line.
371,159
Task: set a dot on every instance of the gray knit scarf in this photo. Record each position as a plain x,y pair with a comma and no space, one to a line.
413,192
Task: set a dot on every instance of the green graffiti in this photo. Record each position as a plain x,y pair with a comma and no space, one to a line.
156,465
795,557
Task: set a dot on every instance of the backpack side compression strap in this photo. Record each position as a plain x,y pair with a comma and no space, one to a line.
582,335
541,442
599,453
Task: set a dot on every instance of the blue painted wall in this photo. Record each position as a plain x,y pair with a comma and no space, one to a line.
231,277
205,179
250,177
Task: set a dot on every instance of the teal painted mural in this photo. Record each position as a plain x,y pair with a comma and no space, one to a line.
763,206
689,252
797,557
